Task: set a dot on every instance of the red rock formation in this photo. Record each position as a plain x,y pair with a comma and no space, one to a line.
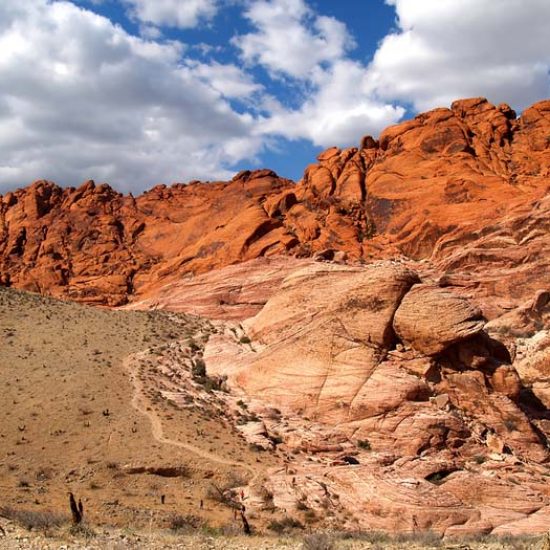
451,212
366,354
466,187
94,245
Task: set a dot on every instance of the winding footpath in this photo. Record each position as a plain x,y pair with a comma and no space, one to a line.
139,403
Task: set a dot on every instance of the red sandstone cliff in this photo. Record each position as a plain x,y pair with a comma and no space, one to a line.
396,354
466,187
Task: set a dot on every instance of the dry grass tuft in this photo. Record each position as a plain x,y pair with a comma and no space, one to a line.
42,520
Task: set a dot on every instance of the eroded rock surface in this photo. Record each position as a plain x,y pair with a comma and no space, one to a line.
234,292
404,426
430,319
429,188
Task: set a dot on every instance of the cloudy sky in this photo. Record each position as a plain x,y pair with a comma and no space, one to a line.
139,92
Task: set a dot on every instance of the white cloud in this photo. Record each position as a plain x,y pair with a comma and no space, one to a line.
337,104
80,98
228,79
339,112
150,32
442,50
290,39
447,49
173,13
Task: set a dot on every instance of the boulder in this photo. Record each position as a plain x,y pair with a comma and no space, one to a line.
431,319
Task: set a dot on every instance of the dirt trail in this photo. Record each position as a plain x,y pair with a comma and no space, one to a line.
139,403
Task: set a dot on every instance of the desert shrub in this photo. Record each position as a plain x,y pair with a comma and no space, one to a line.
30,519
193,346
364,444
217,494
266,494
185,522
244,340
235,479
318,541
510,425
199,368
422,538
230,530
373,537
511,542
82,531
381,539
284,525
43,474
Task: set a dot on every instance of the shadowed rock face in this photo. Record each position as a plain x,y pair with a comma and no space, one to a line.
466,187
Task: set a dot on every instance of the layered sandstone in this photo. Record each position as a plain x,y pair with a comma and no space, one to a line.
408,413
465,187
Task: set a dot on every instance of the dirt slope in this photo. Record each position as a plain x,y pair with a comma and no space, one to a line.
69,421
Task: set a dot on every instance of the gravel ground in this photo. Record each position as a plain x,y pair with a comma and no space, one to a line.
17,538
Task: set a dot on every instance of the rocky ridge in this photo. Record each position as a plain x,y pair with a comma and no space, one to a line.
465,187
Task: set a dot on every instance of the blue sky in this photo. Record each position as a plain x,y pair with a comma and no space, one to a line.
139,92
368,22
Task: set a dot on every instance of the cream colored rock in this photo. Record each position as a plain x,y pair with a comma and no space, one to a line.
431,319
234,292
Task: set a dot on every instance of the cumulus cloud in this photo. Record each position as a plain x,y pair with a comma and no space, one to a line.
442,50
446,49
173,13
80,98
341,109
228,79
293,42
290,39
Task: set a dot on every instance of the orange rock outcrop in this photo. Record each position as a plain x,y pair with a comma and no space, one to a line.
466,188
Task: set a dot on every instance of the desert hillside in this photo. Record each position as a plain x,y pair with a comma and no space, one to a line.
83,413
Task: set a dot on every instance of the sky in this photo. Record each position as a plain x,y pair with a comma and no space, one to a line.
141,92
